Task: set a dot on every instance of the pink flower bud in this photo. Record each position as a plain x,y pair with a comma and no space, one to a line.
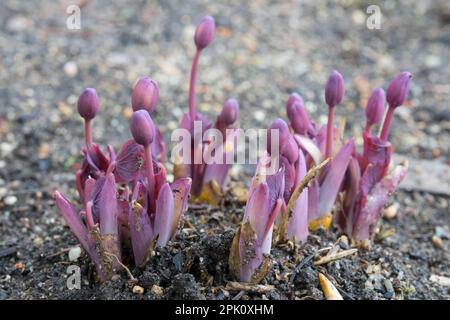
283,135
145,95
398,89
88,104
142,127
204,34
295,109
375,107
334,90
294,98
229,113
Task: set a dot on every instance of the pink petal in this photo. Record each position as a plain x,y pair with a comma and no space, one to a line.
141,232
70,215
344,217
298,224
258,209
164,215
180,190
372,204
129,162
333,179
158,146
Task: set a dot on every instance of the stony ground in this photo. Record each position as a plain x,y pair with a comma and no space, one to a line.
262,52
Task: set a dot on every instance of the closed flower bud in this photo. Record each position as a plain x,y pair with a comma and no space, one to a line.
283,135
229,113
334,90
88,104
294,98
375,107
142,127
398,89
145,95
295,109
204,34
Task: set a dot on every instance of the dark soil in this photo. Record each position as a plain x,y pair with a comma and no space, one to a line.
262,52
195,265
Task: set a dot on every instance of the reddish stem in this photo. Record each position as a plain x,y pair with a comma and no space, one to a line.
330,129
192,85
386,125
88,133
150,173
367,129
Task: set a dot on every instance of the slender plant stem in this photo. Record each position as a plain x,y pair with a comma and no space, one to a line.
192,85
367,128
150,173
386,125
329,142
88,133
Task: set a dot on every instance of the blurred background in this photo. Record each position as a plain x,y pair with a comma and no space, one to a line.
263,51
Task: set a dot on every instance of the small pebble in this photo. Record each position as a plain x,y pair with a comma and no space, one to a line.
138,290
437,241
10,200
6,148
70,69
74,253
18,23
38,241
390,212
389,294
260,115
343,242
157,290
19,266
115,277
432,61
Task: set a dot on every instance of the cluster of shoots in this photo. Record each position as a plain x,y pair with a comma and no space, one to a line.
127,203
320,174
126,200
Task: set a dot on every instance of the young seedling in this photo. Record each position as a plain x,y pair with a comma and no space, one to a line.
125,198
251,245
364,179
371,178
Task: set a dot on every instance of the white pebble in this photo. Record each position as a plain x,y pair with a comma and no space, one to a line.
432,61
70,69
6,148
74,253
10,200
260,115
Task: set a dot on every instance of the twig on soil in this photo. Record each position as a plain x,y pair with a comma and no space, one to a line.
65,250
238,296
130,275
335,256
254,288
198,206
190,225
345,294
305,261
